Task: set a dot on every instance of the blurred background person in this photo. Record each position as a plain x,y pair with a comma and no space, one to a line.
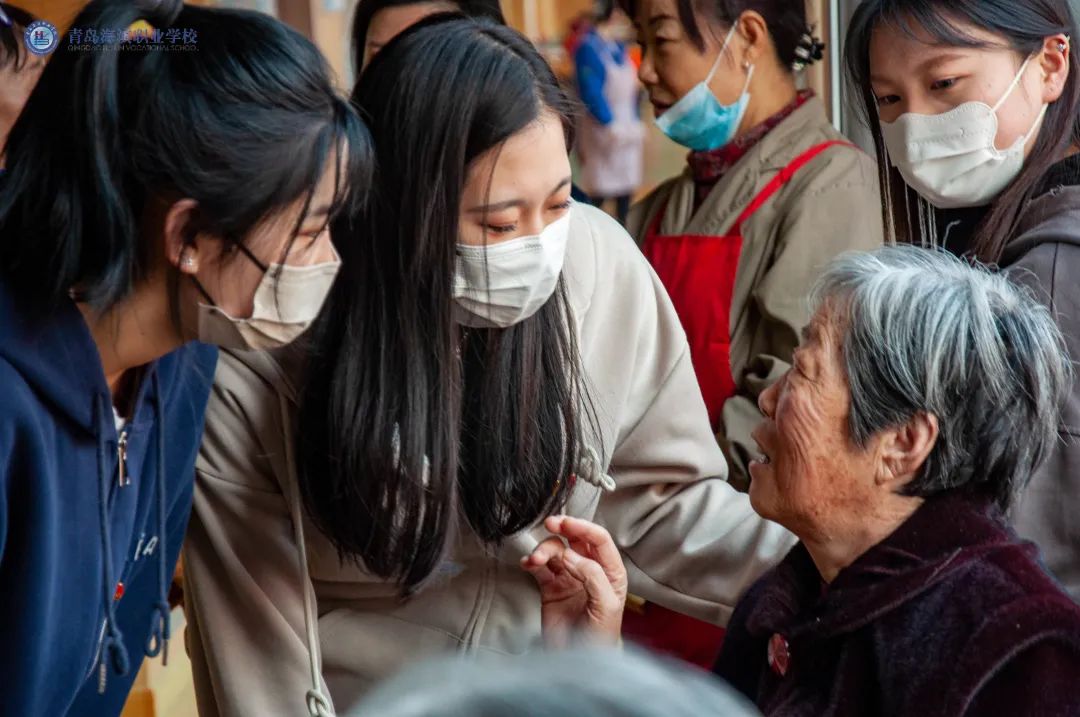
576,30
611,137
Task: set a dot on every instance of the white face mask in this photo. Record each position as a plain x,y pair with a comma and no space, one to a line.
287,301
516,279
950,158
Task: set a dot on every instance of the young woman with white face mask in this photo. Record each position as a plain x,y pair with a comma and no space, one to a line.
153,203
493,353
770,194
973,105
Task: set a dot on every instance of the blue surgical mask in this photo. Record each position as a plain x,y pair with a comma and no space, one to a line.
698,121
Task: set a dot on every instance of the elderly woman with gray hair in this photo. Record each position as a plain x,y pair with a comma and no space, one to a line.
924,395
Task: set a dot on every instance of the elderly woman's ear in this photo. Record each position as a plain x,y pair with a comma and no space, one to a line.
904,450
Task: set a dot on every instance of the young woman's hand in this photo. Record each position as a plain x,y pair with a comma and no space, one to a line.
582,582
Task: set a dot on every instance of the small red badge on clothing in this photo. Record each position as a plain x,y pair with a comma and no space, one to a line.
779,655
119,591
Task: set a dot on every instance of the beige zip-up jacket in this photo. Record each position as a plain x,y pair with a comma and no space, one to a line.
832,205
690,541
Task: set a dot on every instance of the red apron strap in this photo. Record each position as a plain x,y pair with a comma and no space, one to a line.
782,177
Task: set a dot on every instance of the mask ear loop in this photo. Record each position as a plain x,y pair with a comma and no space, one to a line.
246,252
254,259
1012,86
203,291
720,55
1038,120
749,76
716,65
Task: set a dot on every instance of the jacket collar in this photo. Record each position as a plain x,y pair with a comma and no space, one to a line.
787,139
708,167
800,130
945,534
1047,219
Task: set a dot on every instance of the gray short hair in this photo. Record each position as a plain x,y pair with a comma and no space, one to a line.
581,682
924,331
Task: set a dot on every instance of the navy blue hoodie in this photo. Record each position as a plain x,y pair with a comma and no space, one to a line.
85,562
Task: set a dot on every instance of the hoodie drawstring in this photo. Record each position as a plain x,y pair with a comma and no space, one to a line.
318,702
112,646
158,642
113,649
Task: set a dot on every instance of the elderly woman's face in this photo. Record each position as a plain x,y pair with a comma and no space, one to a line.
811,473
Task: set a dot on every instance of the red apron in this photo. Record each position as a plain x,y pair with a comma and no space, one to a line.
699,274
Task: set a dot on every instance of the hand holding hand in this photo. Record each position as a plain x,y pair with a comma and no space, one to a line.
582,582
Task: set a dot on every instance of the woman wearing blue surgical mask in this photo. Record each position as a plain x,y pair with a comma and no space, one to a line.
974,110
493,353
770,194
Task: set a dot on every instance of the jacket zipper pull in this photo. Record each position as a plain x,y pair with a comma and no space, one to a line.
121,452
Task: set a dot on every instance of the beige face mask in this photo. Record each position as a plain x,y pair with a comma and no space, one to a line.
287,301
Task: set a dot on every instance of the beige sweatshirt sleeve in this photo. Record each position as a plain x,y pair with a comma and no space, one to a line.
843,216
243,594
689,540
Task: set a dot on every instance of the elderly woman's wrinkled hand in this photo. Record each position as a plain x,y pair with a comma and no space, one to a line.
582,582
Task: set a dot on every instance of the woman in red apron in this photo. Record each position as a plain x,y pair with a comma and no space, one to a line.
770,194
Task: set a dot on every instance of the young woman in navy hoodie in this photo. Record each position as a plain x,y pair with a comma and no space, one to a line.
153,196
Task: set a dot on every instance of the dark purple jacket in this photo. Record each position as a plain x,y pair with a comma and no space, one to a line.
951,615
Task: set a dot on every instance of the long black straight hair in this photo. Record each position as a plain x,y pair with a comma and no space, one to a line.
410,421
366,9
244,124
1024,26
